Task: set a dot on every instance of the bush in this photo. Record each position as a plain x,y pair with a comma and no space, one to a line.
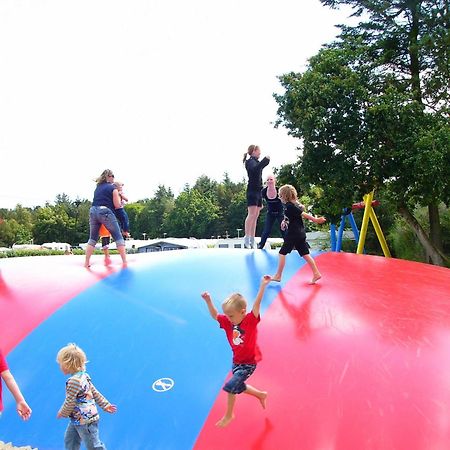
18,253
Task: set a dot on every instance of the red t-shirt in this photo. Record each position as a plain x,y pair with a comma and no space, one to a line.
242,338
3,367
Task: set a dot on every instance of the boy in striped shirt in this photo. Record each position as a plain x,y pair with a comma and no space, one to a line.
81,401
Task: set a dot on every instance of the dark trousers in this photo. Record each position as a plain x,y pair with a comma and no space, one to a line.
122,217
268,225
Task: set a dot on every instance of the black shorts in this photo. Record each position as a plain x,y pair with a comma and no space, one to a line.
254,198
299,244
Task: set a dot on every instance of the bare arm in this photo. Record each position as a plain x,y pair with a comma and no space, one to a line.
265,280
23,409
211,308
123,196
116,199
315,219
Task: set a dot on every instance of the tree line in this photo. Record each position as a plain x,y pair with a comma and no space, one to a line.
371,111
208,208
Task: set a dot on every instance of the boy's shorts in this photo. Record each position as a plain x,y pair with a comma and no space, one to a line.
299,244
240,372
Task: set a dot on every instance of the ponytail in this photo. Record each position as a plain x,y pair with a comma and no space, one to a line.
250,150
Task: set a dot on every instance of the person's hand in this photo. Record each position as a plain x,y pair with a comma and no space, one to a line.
23,410
283,225
59,415
265,280
111,409
206,296
321,220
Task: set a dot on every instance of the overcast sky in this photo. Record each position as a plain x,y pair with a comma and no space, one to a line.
159,91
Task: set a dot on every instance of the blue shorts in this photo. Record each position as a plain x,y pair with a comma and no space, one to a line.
240,372
102,215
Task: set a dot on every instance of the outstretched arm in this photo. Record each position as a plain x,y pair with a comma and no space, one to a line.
211,308
313,218
265,280
23,409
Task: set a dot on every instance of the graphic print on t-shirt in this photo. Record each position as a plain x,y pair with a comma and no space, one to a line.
237,333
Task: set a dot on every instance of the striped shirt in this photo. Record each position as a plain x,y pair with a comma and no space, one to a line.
82,399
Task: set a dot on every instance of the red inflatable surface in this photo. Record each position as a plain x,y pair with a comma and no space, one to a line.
359,361
48,285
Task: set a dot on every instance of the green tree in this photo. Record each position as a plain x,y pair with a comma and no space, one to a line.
367,116
52,225
152,216
12,232
193,215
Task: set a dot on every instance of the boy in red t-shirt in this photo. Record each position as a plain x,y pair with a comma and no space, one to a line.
241,332
23,409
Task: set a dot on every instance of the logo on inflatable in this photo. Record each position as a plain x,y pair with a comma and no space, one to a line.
163,384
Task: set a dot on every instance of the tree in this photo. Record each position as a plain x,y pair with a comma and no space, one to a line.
52,225
367,115
152,216
193,215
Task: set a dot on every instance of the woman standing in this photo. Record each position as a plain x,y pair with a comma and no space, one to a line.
254,169
106,200
275,211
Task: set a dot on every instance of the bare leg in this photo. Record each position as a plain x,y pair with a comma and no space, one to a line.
316,274
89,251
255,221
260,395
229,416
107,258
250,225
281,264
123,253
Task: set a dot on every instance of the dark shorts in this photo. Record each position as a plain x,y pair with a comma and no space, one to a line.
299,244
254,198
236,383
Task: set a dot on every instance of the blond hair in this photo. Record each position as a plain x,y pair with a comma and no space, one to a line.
235,301
289,193
103,178
249,152
71,358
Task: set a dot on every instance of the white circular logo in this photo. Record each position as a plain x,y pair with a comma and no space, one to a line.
163,384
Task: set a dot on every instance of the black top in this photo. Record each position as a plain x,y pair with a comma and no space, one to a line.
274,205
293,212
254,171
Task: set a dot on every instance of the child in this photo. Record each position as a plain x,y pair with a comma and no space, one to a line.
22,407
80,403
105,236
295,236
241,332
121,214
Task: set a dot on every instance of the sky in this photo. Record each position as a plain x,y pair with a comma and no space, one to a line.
159,91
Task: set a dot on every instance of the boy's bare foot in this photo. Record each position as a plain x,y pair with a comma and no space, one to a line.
315,278
263,399
276,278
224,421
107,261
87,265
